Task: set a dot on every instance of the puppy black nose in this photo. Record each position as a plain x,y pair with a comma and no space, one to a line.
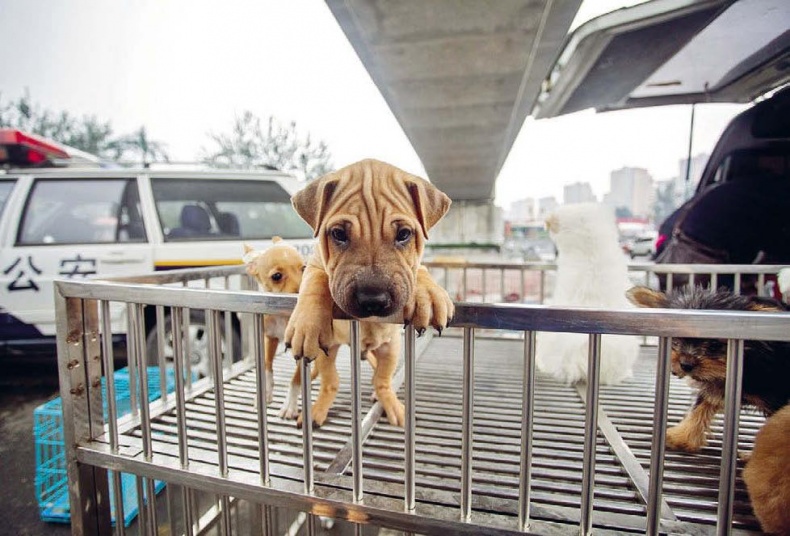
373,301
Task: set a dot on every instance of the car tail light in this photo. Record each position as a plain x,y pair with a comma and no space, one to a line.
19,148
660,241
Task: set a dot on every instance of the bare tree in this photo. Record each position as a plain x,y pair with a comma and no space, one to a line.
271,144
139,147
86,133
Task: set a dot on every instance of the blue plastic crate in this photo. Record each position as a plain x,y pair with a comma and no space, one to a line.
51,480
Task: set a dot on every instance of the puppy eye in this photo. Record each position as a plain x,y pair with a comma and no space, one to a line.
339,235
304,267
276,276
403,236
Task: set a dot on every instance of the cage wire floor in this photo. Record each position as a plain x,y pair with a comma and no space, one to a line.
622,454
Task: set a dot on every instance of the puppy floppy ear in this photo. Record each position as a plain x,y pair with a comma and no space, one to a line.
647,297
430,203
312,202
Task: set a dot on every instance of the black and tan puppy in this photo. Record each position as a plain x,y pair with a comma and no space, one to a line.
371,220
766,365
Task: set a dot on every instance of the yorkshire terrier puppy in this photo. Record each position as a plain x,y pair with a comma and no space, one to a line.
767,474
277,269
766,364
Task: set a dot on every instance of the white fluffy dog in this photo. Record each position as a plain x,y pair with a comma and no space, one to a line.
593,272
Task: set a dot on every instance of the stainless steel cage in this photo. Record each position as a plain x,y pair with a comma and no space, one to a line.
490,445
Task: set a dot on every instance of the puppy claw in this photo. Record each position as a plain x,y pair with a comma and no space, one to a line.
287,345
420,332
439,330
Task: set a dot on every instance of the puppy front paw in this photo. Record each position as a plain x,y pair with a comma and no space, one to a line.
290,408
432,306
318,415
309,331
682,439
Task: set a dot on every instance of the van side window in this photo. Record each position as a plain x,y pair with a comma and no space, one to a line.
5,191
225,209
82,211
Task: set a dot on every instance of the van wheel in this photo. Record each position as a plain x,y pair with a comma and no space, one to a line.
198,344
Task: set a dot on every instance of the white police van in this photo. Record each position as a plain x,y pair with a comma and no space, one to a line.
63,215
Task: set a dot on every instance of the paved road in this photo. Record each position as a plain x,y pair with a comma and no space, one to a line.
21,391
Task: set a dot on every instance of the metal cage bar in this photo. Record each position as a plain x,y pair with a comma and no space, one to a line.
467,423
410,425
732,405
590,434
527,423
356,412
658,443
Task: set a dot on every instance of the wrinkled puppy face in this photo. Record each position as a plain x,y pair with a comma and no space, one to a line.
704,360
278,268
371,220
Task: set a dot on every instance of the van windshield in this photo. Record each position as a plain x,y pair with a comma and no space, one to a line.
225,209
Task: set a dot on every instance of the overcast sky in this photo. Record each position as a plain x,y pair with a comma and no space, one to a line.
185,68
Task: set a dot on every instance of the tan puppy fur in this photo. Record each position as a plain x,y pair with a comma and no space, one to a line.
371,220
277,269
767,475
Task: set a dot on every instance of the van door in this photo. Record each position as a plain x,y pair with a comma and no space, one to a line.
71,228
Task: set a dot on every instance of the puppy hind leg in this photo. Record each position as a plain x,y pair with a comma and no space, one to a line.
387,360
270,348
330,381
690,435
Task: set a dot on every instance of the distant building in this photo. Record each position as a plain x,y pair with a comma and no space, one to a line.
631,192
546,206
578,192
522,211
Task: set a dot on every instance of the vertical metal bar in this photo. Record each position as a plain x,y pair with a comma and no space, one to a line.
729,439
178,363
177,318
691,279
714,281
189,511
145,414
215,357
655,486
160,351
109,371
117,492
669,282
187,346
142,511
590,433
260,379
464,283
228,337
761,285
527,421
226,525
356,412
737,276
410,431
307,428
131,348
468,422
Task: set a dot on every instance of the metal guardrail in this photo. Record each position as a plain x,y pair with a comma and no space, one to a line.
532,282
95,445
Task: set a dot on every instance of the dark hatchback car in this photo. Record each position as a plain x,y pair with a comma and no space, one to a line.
755,144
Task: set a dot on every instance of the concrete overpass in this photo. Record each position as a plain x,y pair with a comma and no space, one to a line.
460,77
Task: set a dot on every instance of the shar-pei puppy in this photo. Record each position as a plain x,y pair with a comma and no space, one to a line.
371,220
